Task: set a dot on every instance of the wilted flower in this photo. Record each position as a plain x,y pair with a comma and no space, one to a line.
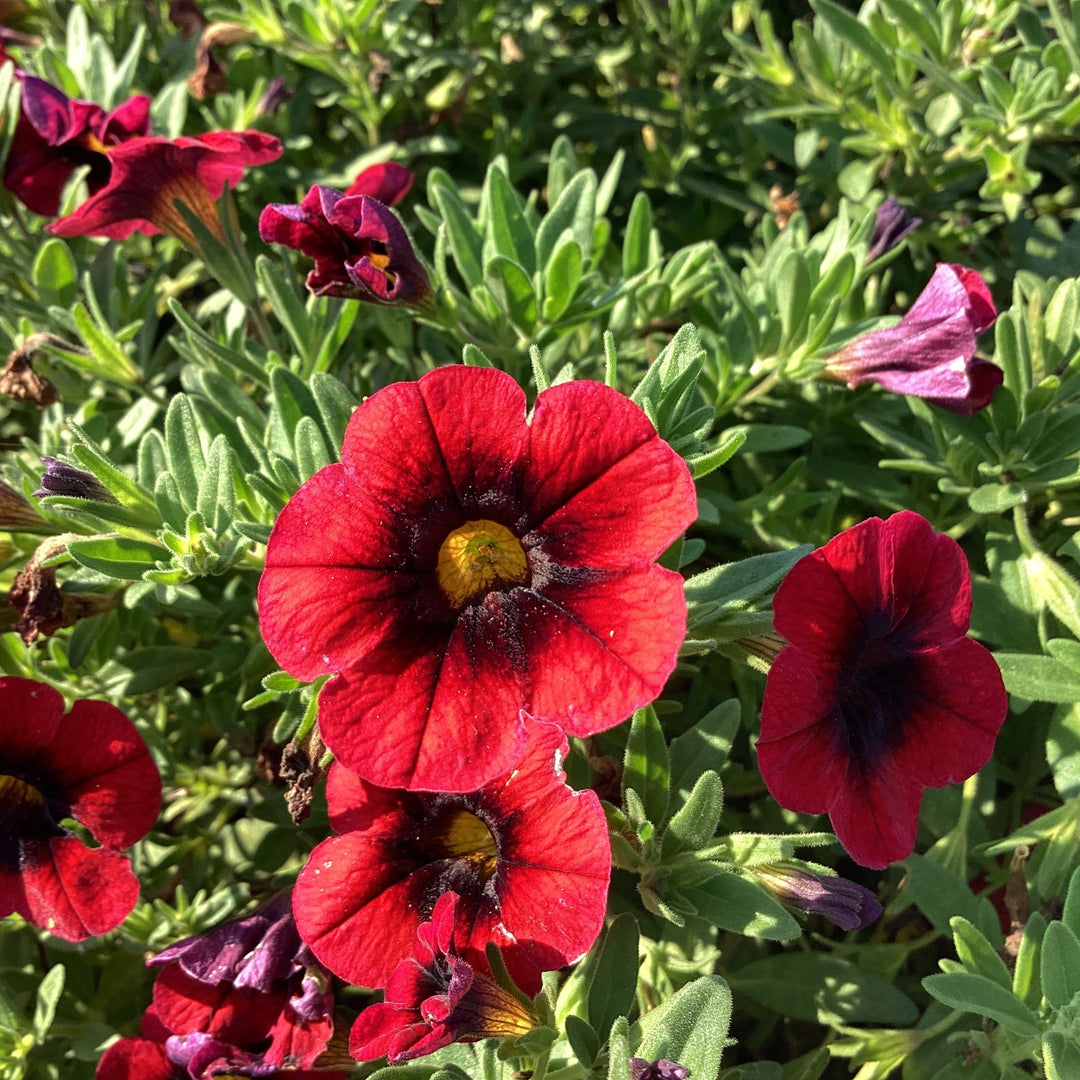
891,225
931,352
848,905
150,175
880,693
528,857
16,514
361,250
60,478
90,765
56,134
463,565
387,182
435,998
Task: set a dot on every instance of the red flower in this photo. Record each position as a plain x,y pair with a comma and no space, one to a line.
434,999
931,352
150,175
462,565
528,857
879,693
361,250
91,765
56,134
387,183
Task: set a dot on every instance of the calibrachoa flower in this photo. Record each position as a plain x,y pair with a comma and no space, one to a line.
891,225
464,564
91,765
528,857
387,182
930,353
435,998
151,174
880,693
361,250
848,905
56,134
60,478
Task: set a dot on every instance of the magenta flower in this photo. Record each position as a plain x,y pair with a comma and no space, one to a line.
880,692
931,353
361,250
56,134
528,857
90,765
387,182
434,998
150,175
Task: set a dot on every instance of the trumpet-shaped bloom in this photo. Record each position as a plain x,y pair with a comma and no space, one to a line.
930,353
387,182
434,998
56,134
880,693
528,857
91,765
361,250
150,175
464,565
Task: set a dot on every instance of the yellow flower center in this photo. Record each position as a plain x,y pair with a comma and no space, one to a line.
15,792
477,558
463,835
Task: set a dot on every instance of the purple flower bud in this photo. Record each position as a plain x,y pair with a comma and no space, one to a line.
640,1069
891,225
849,906
60,478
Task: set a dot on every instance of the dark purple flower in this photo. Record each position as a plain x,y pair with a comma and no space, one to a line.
640,1069
930,353
891,225
361,250
849,906
56,134
60,478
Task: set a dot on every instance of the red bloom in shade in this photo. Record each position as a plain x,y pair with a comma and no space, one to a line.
361,250
879,693
528,857
150,175
931,352
91,765
56,134
463,564
388,183
434,999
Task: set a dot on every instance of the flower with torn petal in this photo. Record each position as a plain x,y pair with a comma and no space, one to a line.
434,998
91,765
150,175
361,250
845,903
387,182
528,857
464,564
880,692
57,134
930,353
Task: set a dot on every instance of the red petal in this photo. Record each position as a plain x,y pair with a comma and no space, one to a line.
74,891
135,1059
32,711
295,1042
107,775
388,182
380,1027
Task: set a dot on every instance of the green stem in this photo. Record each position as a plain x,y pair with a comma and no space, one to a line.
1023,532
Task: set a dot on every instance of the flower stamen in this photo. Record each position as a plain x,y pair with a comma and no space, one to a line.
478,557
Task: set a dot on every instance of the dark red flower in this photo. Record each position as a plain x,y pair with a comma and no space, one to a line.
361,250
151,174
387,182
91,765
879,693
435,998
56,134
464,565
930,353
528,857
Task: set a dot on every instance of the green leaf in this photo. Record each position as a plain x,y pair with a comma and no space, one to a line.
217,494
1026,983
336,405
48,995
724,590
645,767
583,1040
310,448
1060,968
55,273
940,895
690,1027
184,450
157,666
1061,1056
978,994
706,745
613,973
513,291
726,899
977,954
635,253
561,280
466,243
857,35
508,231
793,295
118,556
695,822
107,359
618,1051
1038,678
572,210
996,498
